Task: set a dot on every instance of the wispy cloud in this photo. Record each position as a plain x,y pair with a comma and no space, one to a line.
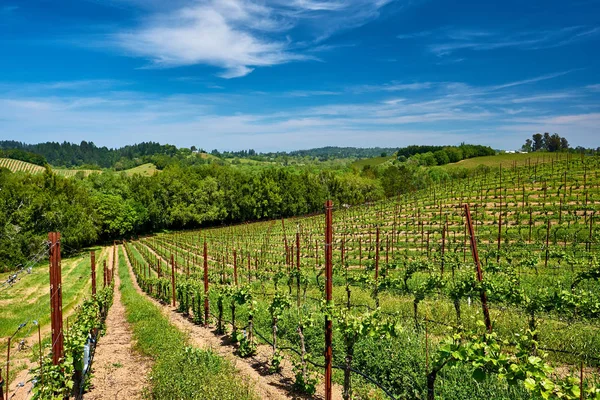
530,80
447,41
310,93
418,112
240,35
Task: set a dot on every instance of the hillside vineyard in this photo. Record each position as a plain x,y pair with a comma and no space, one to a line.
407,262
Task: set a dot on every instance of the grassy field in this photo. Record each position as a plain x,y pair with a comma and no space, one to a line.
148,169
507,160
28,299
373,162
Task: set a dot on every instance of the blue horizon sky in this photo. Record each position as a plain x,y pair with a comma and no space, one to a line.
296,74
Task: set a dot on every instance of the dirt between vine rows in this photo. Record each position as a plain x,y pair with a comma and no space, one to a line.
275,386
119,372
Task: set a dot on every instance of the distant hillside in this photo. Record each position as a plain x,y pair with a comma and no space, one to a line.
345,152
22,166
87,153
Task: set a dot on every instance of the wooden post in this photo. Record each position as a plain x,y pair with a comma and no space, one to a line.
56,298
93,262
205,285
328,297
105,272
483,295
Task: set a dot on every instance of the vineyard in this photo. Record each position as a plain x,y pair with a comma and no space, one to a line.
411,315
22,166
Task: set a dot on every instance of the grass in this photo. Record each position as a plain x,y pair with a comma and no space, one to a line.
373,162
179,371
28,299
507,160
147,169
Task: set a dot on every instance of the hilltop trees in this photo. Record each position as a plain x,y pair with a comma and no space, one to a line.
546,142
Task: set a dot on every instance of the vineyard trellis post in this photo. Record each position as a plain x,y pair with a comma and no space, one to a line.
298,267
205,285
376,266
328,297
173,279
56,298
235,279
105,272
1,385
93,263
483,295
8,368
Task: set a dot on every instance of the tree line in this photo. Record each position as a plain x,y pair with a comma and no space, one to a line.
111,205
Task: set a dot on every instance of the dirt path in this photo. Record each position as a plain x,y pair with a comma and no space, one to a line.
118,371
276,386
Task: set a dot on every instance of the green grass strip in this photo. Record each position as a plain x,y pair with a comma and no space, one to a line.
179,370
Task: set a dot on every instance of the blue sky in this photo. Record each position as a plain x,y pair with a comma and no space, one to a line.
292,74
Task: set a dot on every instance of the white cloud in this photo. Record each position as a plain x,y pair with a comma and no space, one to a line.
240,35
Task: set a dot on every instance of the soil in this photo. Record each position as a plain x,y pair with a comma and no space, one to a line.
267,386
119,372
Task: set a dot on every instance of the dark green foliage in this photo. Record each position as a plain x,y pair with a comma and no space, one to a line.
72,155
18,154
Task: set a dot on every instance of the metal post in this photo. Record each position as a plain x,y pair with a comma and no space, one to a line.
93,261
205,285
483,295
173,279
298,267
8,368
328,296
235,280
56,298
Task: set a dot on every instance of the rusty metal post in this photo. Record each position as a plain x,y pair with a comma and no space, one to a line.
205,285
328,296
8,368
56,298
173,279
249,268
1,385
580,381
287,253
443,246
483,295
547,242
41,361
235,280
499,219
298,267
93,262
